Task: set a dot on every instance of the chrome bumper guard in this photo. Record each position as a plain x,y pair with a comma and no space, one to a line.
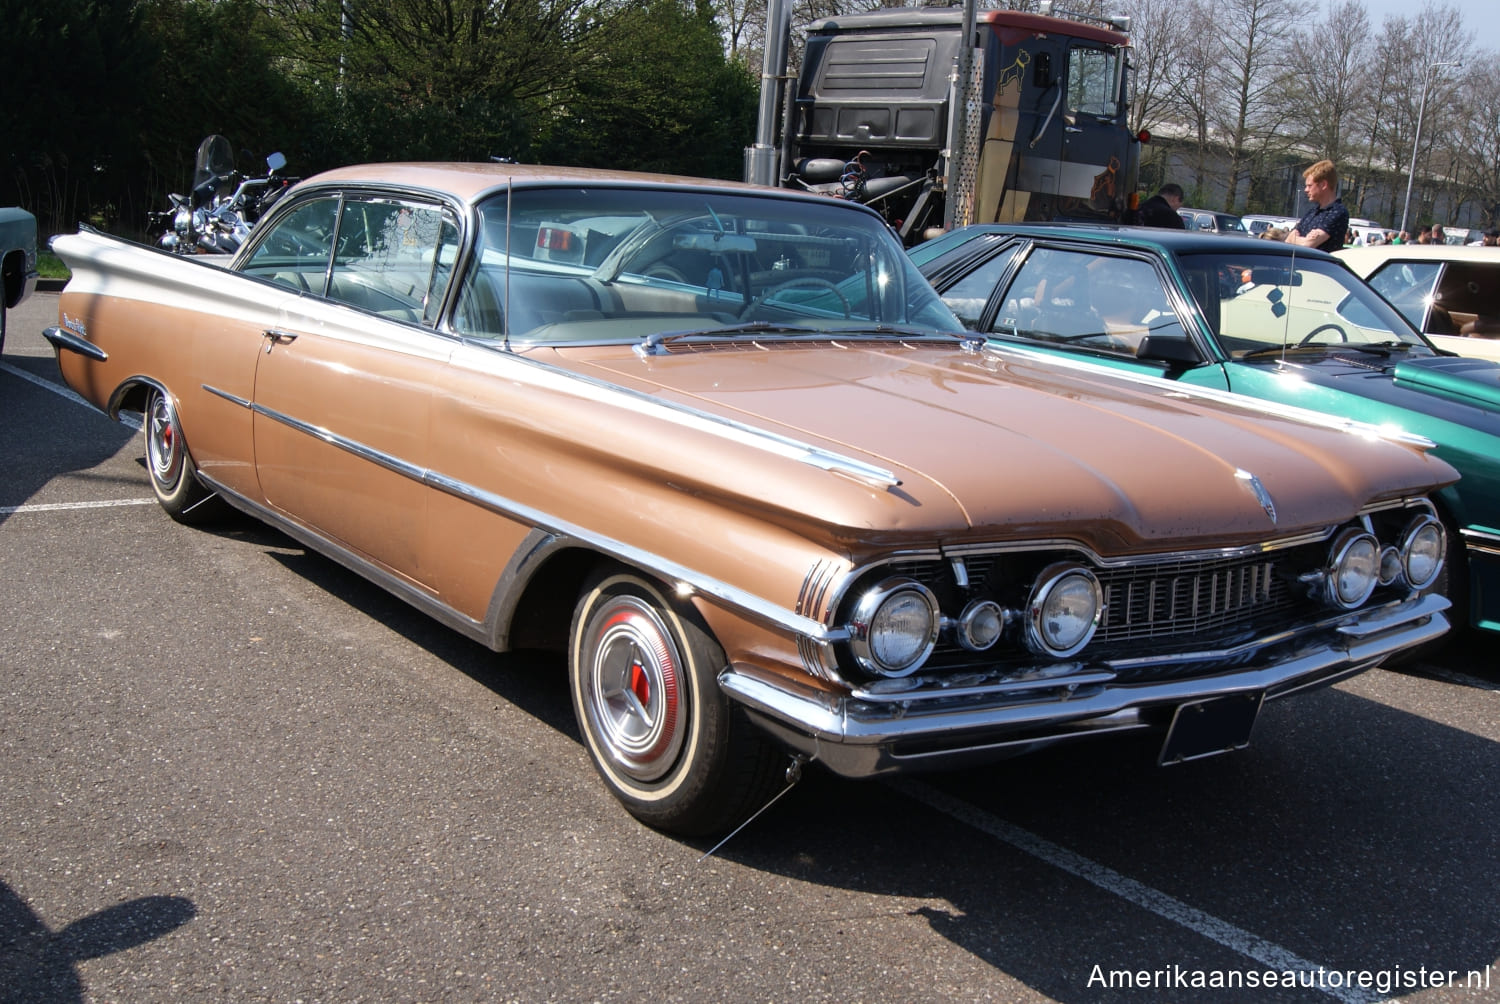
940,728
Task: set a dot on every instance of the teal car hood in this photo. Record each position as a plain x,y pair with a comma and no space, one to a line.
1452,389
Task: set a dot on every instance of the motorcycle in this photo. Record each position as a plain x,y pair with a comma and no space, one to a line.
216,215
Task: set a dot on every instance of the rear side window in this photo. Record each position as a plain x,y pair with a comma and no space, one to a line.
295,252
1408,285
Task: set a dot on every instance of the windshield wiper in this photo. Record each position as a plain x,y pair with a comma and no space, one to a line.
1276,350
1382,348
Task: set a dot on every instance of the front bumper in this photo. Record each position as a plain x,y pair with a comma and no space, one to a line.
863,737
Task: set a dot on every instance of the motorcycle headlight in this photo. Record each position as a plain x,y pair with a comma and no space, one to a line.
1422,548
1353,568
894,628
1064,611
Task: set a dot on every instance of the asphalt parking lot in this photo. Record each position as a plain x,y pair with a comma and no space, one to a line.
232,770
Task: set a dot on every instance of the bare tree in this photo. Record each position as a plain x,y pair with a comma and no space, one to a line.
1254,75
1156,30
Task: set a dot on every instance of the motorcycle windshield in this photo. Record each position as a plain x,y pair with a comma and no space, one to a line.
215,160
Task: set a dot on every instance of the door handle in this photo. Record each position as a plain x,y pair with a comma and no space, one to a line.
274,335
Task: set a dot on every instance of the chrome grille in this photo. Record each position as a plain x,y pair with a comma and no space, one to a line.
1190,599
1161,607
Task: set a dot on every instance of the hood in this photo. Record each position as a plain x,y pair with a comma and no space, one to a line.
1457,389
1019,447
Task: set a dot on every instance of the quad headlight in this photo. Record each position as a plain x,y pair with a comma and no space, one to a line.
1064,611
895,627
1354,567
1421,551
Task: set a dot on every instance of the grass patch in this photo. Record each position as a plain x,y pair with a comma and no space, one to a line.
50,266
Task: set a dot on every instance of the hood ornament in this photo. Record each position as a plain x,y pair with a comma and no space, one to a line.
1259,491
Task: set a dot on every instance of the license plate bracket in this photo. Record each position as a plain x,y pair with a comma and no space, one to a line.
1210,727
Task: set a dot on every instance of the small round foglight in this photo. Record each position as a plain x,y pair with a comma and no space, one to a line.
980,625
1065,608
1390,566
1422,548
1353,568
895,627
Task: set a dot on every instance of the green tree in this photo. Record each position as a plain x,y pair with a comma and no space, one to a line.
74,72
656,93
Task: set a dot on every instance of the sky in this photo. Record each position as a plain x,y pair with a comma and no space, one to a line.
1481,18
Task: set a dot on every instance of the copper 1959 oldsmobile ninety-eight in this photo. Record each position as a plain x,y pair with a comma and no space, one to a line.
727,449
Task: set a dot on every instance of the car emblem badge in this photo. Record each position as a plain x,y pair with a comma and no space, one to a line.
1259,491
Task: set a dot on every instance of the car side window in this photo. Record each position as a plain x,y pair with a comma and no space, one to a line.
967,297
1092,79
295,252
1408,286
393,258
1092,301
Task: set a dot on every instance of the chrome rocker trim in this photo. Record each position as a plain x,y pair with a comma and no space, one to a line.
858,738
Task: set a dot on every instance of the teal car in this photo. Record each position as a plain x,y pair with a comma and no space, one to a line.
1286,324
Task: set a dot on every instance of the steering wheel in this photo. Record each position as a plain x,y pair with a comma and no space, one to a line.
1308,338
661,271
806,280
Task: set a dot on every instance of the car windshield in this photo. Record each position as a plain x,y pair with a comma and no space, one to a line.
1257,301
602,264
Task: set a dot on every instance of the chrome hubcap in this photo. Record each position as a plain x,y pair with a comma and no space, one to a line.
163,444
635,685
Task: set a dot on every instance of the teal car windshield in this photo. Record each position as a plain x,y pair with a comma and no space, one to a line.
1252,302
600,263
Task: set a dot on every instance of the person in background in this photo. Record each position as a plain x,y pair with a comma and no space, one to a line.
1327,222
1161,209
1424,234
1439,235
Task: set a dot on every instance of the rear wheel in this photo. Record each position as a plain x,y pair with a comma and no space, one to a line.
174,476
665,739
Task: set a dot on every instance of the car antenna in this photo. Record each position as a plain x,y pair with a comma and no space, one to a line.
505,308
793,775
1286,319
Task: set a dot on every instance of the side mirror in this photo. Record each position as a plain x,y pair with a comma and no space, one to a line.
275,162
1174,350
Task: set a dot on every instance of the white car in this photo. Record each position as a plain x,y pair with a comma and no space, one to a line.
1448,292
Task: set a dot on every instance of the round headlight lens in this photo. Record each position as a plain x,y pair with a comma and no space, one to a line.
1422,548
1355,569
895,627
1064,611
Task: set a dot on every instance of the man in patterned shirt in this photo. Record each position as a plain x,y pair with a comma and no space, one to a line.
1327,222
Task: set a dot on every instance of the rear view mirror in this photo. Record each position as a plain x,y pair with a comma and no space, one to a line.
275,162
713,242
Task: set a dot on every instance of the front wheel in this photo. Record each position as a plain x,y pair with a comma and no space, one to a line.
174,476
665,739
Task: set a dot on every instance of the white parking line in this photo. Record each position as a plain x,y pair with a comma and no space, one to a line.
1208,926
61,391
55,506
